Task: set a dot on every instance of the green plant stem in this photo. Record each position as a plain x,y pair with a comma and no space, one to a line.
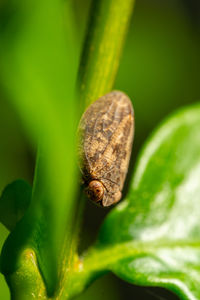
67,264
39,73
104,43
27,283
101,55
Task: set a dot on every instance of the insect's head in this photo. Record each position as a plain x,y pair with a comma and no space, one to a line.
95,190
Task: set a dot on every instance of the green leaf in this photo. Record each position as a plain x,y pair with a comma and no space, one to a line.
14,202
153,237
38,57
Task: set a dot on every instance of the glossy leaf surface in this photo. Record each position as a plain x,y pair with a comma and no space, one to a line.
153,237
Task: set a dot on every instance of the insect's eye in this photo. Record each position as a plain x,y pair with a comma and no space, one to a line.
95,190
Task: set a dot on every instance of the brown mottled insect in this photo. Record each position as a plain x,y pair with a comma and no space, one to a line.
106,134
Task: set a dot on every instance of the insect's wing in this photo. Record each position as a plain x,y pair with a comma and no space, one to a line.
118,150
106,131
88,132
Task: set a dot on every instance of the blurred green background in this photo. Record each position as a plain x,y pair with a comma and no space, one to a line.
160,71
